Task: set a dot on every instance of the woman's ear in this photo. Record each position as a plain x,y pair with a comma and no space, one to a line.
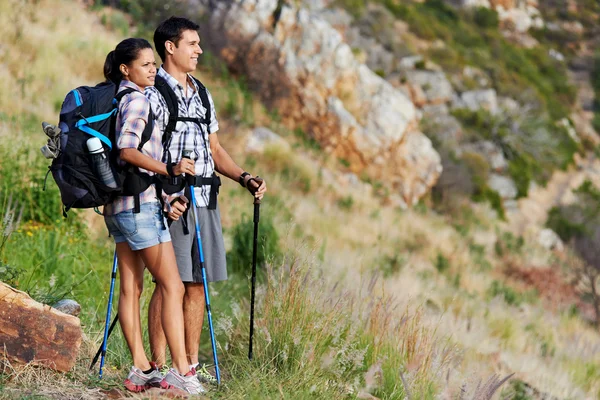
124,70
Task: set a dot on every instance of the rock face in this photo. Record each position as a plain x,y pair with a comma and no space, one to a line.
262,137
505,186
302,68
31,332
519,14
478,99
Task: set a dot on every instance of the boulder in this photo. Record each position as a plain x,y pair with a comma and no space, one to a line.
549,240
445,128
302,67
489,151
68,306
475,100
31,332
505,186
435,85
262,137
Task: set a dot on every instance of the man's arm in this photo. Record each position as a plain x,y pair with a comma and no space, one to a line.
225,165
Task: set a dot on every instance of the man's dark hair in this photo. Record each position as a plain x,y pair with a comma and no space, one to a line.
171,30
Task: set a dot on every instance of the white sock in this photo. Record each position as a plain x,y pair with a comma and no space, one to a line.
193,366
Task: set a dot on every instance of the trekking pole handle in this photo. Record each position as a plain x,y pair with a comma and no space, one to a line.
189,178
259,182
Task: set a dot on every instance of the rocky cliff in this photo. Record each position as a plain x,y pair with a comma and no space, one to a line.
301,67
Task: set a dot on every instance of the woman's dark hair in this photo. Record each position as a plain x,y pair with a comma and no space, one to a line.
171,30
125,52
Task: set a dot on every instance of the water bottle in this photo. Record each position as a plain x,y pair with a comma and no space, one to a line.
100,164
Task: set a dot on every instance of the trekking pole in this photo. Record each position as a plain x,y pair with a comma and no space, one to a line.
112,326
186,154
108,310
254,251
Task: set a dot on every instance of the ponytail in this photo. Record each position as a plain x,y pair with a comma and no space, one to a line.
111,69
126,52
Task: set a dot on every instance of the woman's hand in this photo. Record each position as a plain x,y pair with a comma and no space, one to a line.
185,166
178,207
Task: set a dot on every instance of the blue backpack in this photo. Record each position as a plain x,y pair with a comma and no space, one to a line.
91,112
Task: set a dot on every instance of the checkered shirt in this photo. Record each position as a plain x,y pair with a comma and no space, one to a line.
132,118
187,135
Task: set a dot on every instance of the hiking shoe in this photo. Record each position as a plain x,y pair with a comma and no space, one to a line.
138,381
189,382
204,375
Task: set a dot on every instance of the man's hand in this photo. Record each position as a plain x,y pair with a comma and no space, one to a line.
178,207
185,166
252,183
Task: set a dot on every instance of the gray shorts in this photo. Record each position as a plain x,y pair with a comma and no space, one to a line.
186,249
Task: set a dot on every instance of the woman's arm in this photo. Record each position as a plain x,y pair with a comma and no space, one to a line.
138,159
135,111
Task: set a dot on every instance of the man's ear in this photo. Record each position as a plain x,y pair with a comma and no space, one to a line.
170,47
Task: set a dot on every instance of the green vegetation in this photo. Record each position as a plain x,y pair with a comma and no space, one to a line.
595,75
239,258
510,295
508,244
324,327
579,224
533,146
472,38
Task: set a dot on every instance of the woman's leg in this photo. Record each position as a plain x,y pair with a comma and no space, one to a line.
160,261
131,272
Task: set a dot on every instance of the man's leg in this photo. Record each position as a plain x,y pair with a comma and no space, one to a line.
193,315
158,341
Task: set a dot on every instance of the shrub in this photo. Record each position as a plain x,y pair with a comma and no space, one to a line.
420,64
346,202
518,390
507,243
239,257
510,296
391,265
442,263
560,221
522,169
485,193
485,17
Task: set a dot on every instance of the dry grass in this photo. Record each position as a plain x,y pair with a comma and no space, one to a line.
355,241
49,47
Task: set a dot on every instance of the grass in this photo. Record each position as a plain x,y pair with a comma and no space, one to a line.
326,325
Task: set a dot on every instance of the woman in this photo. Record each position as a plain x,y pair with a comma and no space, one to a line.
141,238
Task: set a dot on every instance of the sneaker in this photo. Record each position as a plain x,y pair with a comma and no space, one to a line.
188,382
138,381
204,375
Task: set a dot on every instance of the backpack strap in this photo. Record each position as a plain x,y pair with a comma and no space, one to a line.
203,93
172,105
136,182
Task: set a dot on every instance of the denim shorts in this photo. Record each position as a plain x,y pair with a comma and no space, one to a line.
140,230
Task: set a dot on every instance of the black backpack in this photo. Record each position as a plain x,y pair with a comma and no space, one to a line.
86,112
176,184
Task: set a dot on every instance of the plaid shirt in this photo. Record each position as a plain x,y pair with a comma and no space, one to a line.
132,118
187,135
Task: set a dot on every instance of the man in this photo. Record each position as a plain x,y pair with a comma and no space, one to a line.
177,42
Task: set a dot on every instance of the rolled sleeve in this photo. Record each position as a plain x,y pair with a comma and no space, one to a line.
135,117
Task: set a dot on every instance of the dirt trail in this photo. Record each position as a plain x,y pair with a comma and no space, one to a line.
533,210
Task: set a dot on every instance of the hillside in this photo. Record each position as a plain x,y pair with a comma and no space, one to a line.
411,267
